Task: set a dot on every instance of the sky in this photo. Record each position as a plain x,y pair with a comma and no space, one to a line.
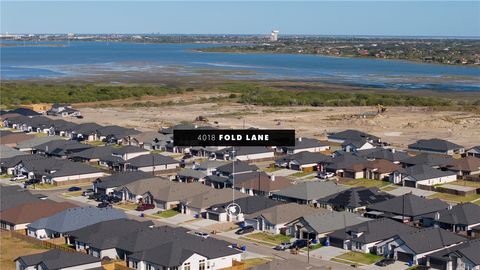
388,18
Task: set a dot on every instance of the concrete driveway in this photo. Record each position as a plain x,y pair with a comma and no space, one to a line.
200,223
326,253
395,266
283,172
177,219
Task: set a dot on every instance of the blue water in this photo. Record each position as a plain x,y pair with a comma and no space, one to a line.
97,58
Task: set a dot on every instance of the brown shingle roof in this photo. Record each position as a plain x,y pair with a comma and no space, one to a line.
29,212
261,181
382,166
469,164
14,138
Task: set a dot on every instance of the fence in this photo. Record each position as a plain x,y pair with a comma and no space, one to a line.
35,241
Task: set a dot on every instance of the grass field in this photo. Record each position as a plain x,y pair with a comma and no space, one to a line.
127,205
165,214
454,198
466,183
271,169
11,248
249,263
274,239
357,257
362,182
301,174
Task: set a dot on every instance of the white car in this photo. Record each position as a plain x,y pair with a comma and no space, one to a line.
19,177
325,175
202,234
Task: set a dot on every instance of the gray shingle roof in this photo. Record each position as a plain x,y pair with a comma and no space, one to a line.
305,157
430,239
150,160
331,221
37,141
128,149
356,197
122,178
94,152
382,153
464,214
58,259
434,145
409,205
248,205
424,172
12,196
427,159
304,143
311,190
76,218
351,134
62,147
240,166
8,152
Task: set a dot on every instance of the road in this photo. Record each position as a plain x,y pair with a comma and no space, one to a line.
252,247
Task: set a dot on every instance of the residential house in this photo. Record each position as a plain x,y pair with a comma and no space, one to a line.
319,225
414,246
352,135
197,205
303,161
406,208
237,167
25,112
275,219
216,181
71,219
191,175
114,134
464,256
436,146
17,218
84,132
245,153
354,199
366,237
107,185
29,146
461,218
380,169
474,151
248,205
390,154
422,175
426,159
61,148
357,145
94,154
150,140
13,196
11,139
63,110
150,163
464,166
129,152
258,183
304,144
8,152
308,192
7,165
58,259
341,161
208,166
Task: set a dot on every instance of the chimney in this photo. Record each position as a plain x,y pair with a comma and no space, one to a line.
299,139
272,177
437,216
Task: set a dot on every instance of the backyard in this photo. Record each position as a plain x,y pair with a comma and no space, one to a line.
362,182
454,198
12,248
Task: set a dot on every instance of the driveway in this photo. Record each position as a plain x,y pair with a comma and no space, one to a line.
395,266
200,223
283,172
177,219
326,253
415,191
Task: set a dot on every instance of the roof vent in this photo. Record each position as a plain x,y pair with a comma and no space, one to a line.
299,139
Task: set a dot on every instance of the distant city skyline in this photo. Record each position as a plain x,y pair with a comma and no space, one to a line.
369,18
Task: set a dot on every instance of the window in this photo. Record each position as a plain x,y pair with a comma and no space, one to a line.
186,266
201,265
134,264
150,267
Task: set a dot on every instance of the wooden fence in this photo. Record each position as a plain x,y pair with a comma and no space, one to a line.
35,241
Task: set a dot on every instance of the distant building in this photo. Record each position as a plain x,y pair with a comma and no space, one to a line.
274,35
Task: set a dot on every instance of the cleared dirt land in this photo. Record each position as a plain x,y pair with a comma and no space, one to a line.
398,125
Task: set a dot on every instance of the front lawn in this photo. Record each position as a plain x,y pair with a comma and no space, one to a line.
454,198
166,214
358,257
301,174
127,205
271,169
362,182
274,239
249,263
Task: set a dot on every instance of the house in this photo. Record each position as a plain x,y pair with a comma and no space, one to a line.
237,167
25,112
342,160
366,236
71,219
150,140
426,159
248,205
191,175
114,134
8,152
208,166
391,154
57,171
29,145
245,153
161,192
13,196
303,161
129,152
380,169
104,236
107,185
474,151
258,183
319,225
422,175
197,205
464,256
354,199
11,139
464,166
60,148
84,132
304,144
61,127
352,135
63,110
461,218
415,245
150,163
94,154
18,217
436,146
307,192
406,208
274,219
355,145
58,259
7,165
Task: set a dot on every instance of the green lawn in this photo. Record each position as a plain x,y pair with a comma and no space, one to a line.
6,176
301,174
466,183
389,188
358,257
274,239
454,198
271,169
249,263
127,205
166,214
362,182
95,143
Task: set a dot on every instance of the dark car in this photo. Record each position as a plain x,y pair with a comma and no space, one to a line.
88,192
101,198
103,205
32,181
145,206
385,262
300,243
244,230
74,189
114,199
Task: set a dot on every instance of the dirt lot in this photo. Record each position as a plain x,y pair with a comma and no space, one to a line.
11,248
399,125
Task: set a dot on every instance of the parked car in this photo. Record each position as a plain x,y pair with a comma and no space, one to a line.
101,198
244,230
74,189
283,246
88,192
385,262
145,206
300,243
114,199
325,175
202,234
32,181
103,205
19,177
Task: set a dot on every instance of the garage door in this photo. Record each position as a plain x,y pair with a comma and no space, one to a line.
214,216
295,167
404,257
438,264
335,242
409,184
